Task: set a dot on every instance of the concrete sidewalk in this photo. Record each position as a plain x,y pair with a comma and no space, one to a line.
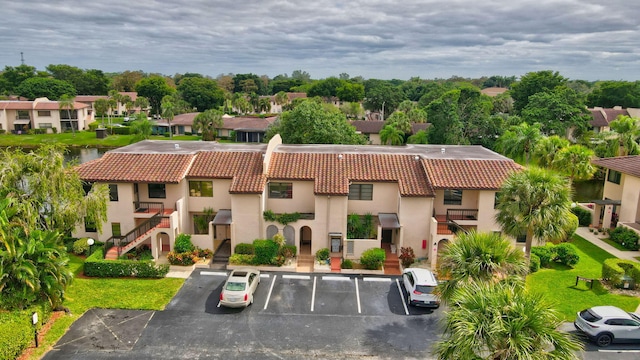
597,240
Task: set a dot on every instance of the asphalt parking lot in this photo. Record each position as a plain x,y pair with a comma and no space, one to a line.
293,316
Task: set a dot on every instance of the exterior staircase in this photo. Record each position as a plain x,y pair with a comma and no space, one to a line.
123,244
391,262
305,263
221,256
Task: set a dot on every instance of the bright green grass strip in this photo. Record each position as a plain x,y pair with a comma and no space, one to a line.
558,283
615,244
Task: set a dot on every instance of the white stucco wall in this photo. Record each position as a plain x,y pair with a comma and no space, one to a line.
384,200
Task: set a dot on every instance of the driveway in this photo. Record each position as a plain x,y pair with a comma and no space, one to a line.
293,316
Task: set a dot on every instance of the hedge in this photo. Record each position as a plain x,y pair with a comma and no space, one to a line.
625,237
96,266
16,334
372,259
244,249
265,251
613,269
534,263
584,215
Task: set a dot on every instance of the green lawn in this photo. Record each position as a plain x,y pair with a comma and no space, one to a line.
81,138
86,293
615,244
558,283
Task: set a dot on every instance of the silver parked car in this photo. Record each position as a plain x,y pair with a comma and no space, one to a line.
608,324
239,288
420,285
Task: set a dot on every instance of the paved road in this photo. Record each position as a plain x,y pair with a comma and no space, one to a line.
294,316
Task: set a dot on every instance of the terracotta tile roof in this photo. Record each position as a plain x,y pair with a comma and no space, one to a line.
493,91
184,119
16,105
468,173
629,165
253,123
602,117
332,172
54,105
90,98
37,105
245,168
131,167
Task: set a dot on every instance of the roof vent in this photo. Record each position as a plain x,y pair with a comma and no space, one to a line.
442,150
417,157
340,156
177,146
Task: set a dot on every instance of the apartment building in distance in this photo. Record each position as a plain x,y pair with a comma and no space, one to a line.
418,195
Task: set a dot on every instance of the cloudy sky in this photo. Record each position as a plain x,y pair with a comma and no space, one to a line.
582,39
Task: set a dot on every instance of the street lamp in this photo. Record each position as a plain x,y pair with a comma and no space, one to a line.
90,242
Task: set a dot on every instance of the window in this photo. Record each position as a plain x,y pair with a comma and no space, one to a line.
115,229
614,177
23,115
89,226
361,192
201,188
281,190
64,114
452,197
44,113
157,191
521,238
86,186
45,125
113,192
495,200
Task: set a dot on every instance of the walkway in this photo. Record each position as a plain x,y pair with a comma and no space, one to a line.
597,240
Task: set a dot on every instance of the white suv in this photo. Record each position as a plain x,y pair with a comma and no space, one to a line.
420,285
608,324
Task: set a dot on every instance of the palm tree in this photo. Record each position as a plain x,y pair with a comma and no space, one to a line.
168,111
546,149
142,128
112,104
391,134
281,99
503,321
142,103
627,131
519,141
66,102
208,123
101,106
535,202
115,95
264,105
575,162
479,257
421,137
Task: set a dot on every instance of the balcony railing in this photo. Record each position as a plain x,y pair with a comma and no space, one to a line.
148,207
462,214
23,117
123,240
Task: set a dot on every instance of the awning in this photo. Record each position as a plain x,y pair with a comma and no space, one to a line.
22,121
223,217
607,202
389,220
335,235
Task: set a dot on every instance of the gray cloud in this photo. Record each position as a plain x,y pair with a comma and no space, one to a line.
583,39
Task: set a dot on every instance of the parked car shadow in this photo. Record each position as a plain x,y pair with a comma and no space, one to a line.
211,305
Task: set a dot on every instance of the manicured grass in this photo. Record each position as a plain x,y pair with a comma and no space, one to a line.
81,138
558,283
86,293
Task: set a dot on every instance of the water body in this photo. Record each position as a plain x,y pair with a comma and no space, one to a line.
83,155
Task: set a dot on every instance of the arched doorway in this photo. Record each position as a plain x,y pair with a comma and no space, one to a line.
289,235
442,244
272,230
305,240
163,245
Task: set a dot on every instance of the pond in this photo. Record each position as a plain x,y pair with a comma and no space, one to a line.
83,155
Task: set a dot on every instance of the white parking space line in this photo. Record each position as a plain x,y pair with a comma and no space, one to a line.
298,277
218,304
619,351
262,276
406,311
270,290
358,297
376,279
336,278
313,294
214,273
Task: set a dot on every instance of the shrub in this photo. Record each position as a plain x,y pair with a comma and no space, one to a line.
182,258
279,239
372,259
322,254
203,253
96,266
183,244
288,251
245,249
567,254
545,254
534,263
625,237
16,334
613,269
278,260
265,251
347,264
584,215
241,259
80,246
407,256
269,215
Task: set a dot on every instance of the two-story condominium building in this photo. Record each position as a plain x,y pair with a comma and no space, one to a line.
42,113
418,195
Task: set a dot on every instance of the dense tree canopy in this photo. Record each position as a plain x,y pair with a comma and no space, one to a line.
86,82
52,89
201,93
311,123
154,88
533,83
11,77
557,111
127,80
615,93
382,95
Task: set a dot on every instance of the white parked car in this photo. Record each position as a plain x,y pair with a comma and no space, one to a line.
420,285
239,288
608,324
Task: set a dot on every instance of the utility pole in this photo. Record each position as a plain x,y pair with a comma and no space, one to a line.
22,57
382,115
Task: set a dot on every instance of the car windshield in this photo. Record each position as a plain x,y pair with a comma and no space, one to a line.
235,286
425,289
589,315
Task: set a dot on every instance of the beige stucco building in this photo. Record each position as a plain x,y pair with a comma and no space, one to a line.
21,116
418,195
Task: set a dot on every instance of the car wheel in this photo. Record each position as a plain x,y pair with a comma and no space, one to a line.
604,340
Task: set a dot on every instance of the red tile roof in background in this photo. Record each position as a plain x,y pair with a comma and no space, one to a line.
144,168
625,164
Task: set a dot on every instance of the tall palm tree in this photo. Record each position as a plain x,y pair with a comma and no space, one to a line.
142,103
141,128
281,99
546,149
535,202
391,134
627,131
101,106
168,111
503,322
575,162
208,123
478,257
66,102
519,141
